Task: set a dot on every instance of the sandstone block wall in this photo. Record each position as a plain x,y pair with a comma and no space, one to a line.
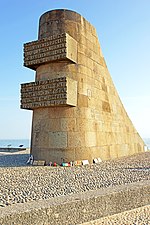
83,119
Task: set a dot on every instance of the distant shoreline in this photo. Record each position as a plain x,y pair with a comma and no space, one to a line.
14,143
7,149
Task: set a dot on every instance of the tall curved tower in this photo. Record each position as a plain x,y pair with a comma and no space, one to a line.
77,113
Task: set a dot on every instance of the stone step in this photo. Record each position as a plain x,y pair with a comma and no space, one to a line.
137,216
79,208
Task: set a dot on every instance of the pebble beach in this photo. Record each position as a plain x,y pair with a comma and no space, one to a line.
20,183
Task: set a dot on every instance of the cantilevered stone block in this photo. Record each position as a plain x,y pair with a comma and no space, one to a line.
48,93
52,49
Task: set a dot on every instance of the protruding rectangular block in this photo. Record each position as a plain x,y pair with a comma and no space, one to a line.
55,92
55,48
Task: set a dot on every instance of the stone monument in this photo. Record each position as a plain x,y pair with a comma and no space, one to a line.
77,113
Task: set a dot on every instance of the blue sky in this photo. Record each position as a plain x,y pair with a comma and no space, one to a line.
123,28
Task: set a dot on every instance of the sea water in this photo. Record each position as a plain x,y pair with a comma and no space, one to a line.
147,142
14,143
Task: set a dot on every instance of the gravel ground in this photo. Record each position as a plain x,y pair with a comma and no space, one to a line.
139,216
22,183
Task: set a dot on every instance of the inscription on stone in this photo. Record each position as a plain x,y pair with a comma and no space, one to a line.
54,92
55,48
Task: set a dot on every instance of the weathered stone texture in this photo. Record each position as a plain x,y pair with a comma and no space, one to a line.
55,92
55,48
93,122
